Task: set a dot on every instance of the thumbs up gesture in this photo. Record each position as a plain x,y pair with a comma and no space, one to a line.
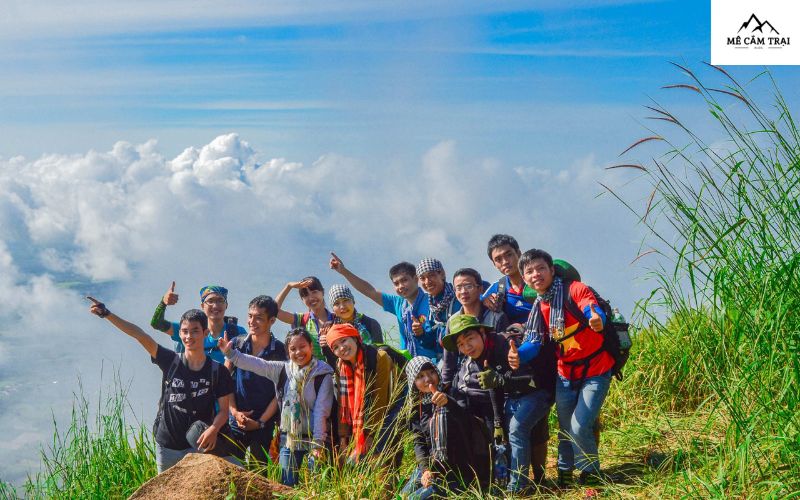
488,378
170,297
595,321
416,325
438,398
513,356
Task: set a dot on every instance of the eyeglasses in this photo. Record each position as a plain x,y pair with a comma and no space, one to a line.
215,301
465,288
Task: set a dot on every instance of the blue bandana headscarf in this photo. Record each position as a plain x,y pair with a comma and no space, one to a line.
209,289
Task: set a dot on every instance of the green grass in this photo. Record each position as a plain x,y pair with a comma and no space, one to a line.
709,405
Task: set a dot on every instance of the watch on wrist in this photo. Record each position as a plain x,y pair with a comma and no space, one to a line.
261,424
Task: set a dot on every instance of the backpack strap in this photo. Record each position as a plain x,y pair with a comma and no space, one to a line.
370,358
318,382
502,292
173,367
214,379
280,387
573,309
231,327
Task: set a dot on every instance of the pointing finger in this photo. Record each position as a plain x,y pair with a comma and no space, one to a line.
96,302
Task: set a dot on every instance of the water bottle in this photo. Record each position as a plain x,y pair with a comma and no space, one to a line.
622,329
500,466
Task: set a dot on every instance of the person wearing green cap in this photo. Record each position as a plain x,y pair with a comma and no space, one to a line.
214,303
527,393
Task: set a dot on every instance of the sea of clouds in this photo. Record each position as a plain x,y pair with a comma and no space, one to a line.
123,224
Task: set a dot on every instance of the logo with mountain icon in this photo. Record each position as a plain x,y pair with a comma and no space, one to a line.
758,25
757,34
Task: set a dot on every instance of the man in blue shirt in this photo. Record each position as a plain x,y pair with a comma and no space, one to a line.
410,306
213,302
504,252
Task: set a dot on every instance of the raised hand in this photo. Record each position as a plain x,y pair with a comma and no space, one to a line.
300,284
224,344
416,326
595,321
170,297
438,398
491,303
98,308
513,356
336,263
488,378
323,333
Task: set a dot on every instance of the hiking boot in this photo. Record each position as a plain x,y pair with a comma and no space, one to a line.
591,478
565,479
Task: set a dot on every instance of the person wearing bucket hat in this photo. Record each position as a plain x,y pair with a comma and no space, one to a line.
214,303
527,393
467,283
449,446
344,309
312,293
370,395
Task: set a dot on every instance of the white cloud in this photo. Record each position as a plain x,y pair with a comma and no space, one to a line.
224,212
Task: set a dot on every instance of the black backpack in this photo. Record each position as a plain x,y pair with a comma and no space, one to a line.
371,357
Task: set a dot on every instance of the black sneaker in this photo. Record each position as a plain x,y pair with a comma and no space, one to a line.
565,479
587,478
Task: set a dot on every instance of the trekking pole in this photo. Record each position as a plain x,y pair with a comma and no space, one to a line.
500,459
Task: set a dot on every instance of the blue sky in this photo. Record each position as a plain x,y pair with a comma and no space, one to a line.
150,141
360,80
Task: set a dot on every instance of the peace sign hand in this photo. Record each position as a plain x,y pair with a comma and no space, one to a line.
98,308
224,344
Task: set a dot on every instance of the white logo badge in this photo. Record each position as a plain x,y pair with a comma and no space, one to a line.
755,33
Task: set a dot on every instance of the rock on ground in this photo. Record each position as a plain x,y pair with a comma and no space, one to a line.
207,477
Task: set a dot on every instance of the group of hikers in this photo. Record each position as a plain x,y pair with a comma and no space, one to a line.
476,373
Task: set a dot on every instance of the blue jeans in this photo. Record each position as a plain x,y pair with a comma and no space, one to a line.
290,464
578,405
413,489
167,457
522,414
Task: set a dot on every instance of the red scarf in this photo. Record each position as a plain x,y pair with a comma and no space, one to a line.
352,390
